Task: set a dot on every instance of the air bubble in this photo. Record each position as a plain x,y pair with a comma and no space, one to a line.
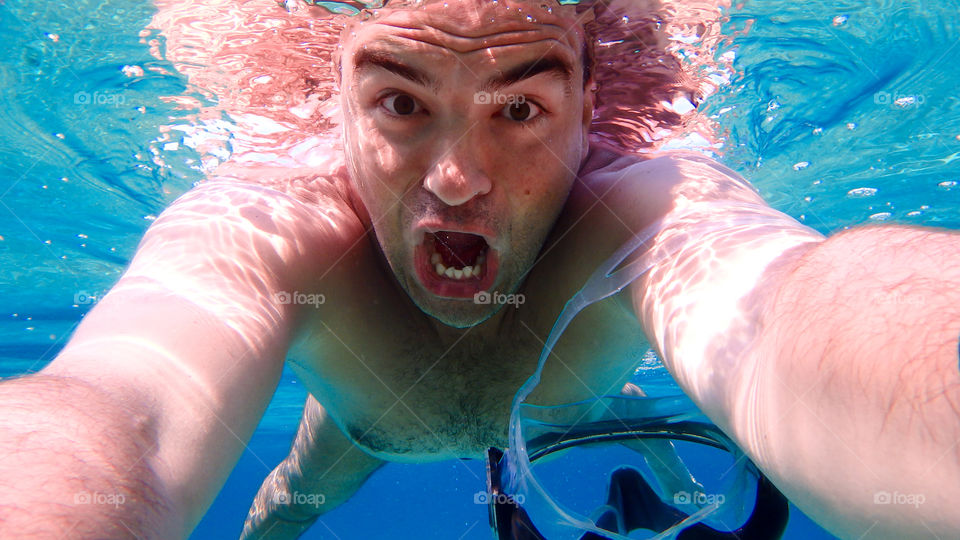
862,192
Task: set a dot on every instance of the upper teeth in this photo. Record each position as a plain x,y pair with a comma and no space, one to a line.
457,273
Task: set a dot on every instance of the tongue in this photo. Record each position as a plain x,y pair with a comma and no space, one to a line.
459,249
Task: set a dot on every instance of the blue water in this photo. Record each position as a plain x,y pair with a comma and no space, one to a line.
841,113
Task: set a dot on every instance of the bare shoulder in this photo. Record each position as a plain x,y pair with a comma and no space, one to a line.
287,228
622,196
655,185
284,203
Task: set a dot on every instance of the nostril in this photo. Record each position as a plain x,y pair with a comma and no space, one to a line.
457,189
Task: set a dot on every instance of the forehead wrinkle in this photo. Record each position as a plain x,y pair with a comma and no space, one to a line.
396,49
468,42
474,18
480,34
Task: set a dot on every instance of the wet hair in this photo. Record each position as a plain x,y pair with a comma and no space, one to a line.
587,59
629,57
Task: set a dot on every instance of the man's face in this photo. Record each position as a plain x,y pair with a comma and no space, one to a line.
465,123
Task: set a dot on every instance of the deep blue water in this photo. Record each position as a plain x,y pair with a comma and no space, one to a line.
841,113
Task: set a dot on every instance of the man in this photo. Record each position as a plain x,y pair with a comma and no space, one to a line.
775,332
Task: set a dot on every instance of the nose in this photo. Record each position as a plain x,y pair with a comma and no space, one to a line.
457,177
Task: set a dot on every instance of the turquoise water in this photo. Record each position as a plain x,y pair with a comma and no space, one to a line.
841,113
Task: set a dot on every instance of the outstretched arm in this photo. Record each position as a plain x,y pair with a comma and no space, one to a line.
135,426
833,363
858,384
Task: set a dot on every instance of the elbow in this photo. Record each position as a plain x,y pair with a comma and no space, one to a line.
77,463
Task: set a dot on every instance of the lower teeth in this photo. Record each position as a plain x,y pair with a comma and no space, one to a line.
466,272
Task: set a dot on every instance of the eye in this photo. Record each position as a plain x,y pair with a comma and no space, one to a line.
520,111
400,104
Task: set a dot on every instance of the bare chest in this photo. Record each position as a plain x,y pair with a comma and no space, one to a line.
405,395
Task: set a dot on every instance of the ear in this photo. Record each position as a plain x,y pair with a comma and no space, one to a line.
338,66
589,94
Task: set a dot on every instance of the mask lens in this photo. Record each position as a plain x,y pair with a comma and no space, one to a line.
648,475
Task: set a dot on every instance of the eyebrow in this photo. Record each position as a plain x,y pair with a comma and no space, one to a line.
366,58
551,64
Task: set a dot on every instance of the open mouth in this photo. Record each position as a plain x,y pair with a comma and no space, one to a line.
455,264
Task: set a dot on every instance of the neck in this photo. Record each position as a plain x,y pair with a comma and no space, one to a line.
487,331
